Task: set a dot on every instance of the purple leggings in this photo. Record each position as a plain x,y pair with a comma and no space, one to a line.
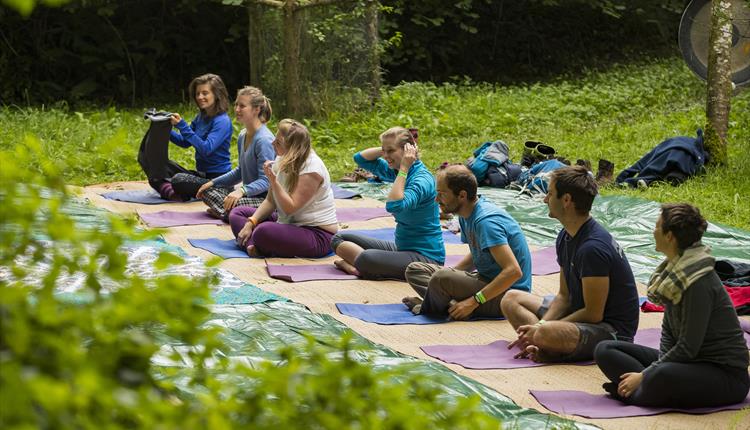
274,239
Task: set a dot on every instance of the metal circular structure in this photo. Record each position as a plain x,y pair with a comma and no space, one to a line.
695,28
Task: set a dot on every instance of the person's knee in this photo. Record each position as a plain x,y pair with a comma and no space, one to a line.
336,240
604,350
441,278
413,270
511,300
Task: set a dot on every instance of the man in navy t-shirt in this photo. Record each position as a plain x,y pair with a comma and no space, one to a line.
498,252
597,299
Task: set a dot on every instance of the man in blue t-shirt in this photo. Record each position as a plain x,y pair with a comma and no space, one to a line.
498,252
597,299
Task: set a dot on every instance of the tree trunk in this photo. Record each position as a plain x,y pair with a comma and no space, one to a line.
371,16
291,59
718,99
255,43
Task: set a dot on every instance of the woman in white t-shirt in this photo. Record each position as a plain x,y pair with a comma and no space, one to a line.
300,192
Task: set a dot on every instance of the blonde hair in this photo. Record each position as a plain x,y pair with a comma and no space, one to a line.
296,140
257,99
400,135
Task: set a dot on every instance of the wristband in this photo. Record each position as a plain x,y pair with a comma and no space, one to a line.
479,297
541,322
252,221
402,173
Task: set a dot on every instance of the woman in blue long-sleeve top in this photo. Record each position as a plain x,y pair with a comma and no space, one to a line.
412,203
210,134
253,110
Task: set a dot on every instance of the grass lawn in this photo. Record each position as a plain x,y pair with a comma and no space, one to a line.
619,114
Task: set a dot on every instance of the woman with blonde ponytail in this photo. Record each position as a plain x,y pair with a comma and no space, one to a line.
300,193
253,110
412,203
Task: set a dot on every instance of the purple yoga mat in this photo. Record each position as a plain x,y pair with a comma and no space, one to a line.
495,355
174,218
306,272
544,261
602,406
651,337
360,214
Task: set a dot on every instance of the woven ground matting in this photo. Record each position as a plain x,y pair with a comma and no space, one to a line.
630,220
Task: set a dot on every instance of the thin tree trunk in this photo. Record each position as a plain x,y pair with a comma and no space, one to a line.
291,58
371,34
718,99
255,43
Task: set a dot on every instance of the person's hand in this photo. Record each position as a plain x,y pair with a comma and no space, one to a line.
409,157
175,118
244,235
629,382
231,199
462,310
268,170
203,188
525,336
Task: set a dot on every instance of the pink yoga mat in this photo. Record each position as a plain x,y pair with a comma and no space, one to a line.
495,355
544,261
602,406
307,272
175,218
360,214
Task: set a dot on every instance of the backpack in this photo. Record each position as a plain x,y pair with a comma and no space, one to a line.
491,165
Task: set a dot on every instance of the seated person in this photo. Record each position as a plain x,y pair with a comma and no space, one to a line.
702,360
253,110
210,133
498,251
411,201
597,298
300,192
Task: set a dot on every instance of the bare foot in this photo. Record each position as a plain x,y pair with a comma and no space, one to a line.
252,251
346,267
413,303
410,302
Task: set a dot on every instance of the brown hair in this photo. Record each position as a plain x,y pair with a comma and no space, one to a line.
221,97
459,178
400,135
684,221
296,140
579,183
257,99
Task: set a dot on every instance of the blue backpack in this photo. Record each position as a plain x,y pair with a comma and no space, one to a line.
491,165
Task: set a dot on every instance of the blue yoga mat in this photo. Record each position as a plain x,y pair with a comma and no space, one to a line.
391,314
222,248
390,234
146,197
340,193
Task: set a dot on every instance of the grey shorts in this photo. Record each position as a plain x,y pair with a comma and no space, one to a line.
589,335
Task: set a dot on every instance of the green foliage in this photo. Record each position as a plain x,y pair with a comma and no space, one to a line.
617,115
89,364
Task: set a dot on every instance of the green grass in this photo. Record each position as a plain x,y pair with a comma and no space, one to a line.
619,114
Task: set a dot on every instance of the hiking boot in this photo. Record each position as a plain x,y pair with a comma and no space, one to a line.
584,163
606,172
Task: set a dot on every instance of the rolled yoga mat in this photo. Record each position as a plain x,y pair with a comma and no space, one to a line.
175,218
588,405
391,314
